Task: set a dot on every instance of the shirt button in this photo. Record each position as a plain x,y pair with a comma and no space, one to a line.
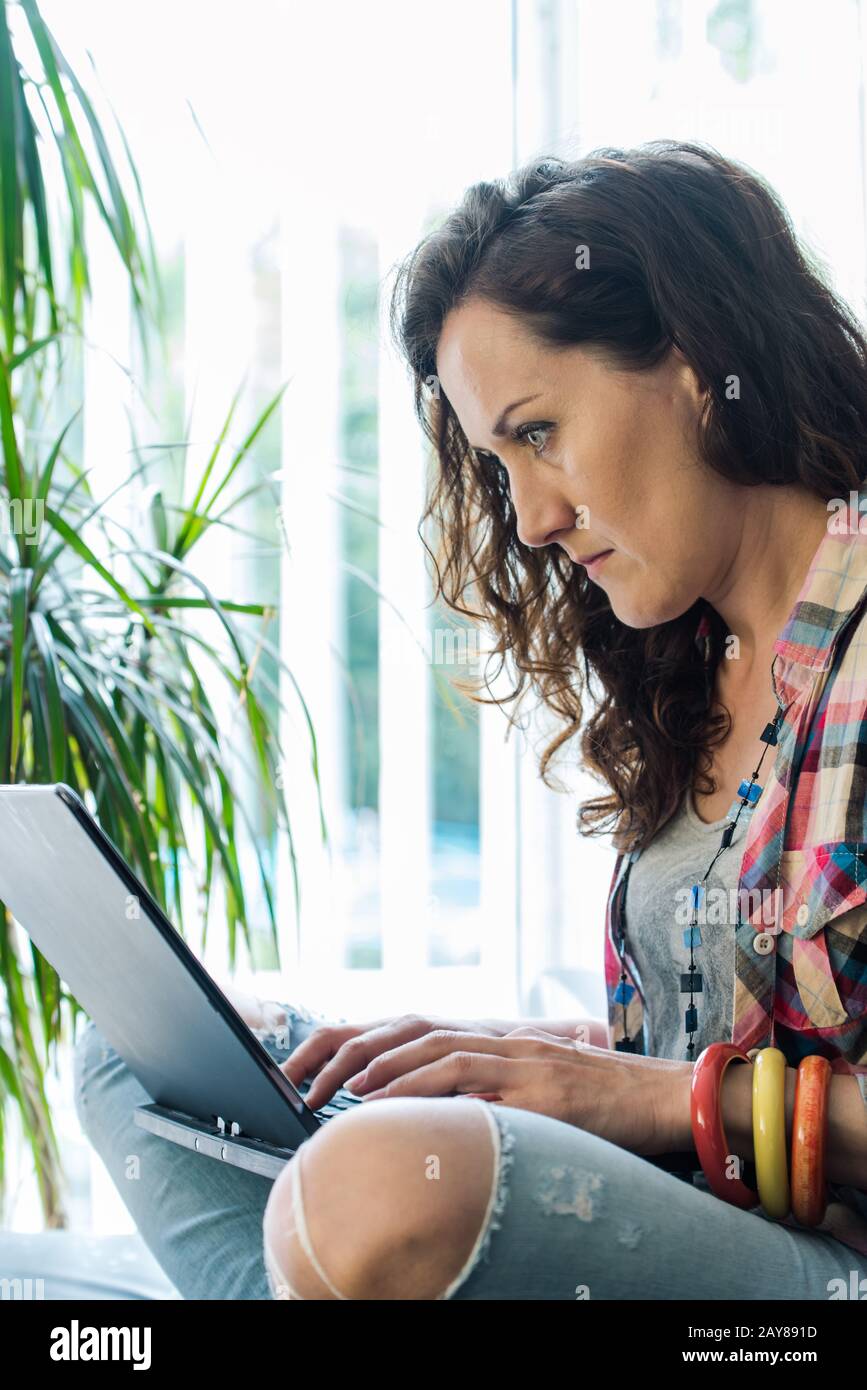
763,943
803,915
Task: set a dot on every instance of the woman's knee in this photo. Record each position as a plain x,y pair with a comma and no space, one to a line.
387,1201
83,1071
105,1091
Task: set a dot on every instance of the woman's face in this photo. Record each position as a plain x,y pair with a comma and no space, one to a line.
598,460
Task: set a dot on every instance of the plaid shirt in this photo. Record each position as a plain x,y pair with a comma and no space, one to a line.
808,993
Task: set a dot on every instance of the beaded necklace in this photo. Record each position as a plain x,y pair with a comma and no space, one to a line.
691,980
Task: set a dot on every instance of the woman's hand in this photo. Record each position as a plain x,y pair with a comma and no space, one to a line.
260,1015
336,1052
640,1103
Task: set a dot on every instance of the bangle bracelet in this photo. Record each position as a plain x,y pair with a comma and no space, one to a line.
707,1127
769,1131
809,1130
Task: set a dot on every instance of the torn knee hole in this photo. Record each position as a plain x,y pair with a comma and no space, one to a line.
293,1267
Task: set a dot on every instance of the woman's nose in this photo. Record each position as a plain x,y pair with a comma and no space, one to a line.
541,517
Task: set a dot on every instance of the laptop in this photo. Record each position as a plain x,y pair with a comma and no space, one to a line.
214,1087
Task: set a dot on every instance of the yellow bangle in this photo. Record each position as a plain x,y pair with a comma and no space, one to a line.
769,1131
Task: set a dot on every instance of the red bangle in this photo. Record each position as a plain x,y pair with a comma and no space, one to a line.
707,1127
809,1127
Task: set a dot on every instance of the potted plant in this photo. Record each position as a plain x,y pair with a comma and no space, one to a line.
107,683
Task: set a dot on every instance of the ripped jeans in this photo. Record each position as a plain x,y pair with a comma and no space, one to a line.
570,1215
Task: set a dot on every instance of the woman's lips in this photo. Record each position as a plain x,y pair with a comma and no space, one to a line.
593,563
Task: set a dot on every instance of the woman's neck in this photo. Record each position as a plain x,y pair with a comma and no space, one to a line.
779,533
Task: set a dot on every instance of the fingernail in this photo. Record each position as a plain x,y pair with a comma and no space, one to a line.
355,1083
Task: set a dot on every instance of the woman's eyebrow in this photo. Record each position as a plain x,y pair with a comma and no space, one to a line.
500,427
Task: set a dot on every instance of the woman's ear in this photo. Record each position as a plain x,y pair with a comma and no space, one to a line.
697,390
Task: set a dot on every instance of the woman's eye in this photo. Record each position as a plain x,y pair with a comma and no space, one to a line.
535,435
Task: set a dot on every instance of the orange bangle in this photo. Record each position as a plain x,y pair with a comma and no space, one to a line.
809,1128
708,1135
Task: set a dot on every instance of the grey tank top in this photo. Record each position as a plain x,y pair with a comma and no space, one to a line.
657,913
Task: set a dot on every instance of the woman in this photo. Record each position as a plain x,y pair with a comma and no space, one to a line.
646,407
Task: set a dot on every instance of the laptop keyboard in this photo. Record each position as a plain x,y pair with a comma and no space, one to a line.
340,1101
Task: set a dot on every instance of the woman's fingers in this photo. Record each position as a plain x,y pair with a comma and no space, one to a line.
318,1048
372,1054
440,1042
335,1053
529,1031
459,1073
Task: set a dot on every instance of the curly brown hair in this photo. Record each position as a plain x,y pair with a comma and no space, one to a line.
689,249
